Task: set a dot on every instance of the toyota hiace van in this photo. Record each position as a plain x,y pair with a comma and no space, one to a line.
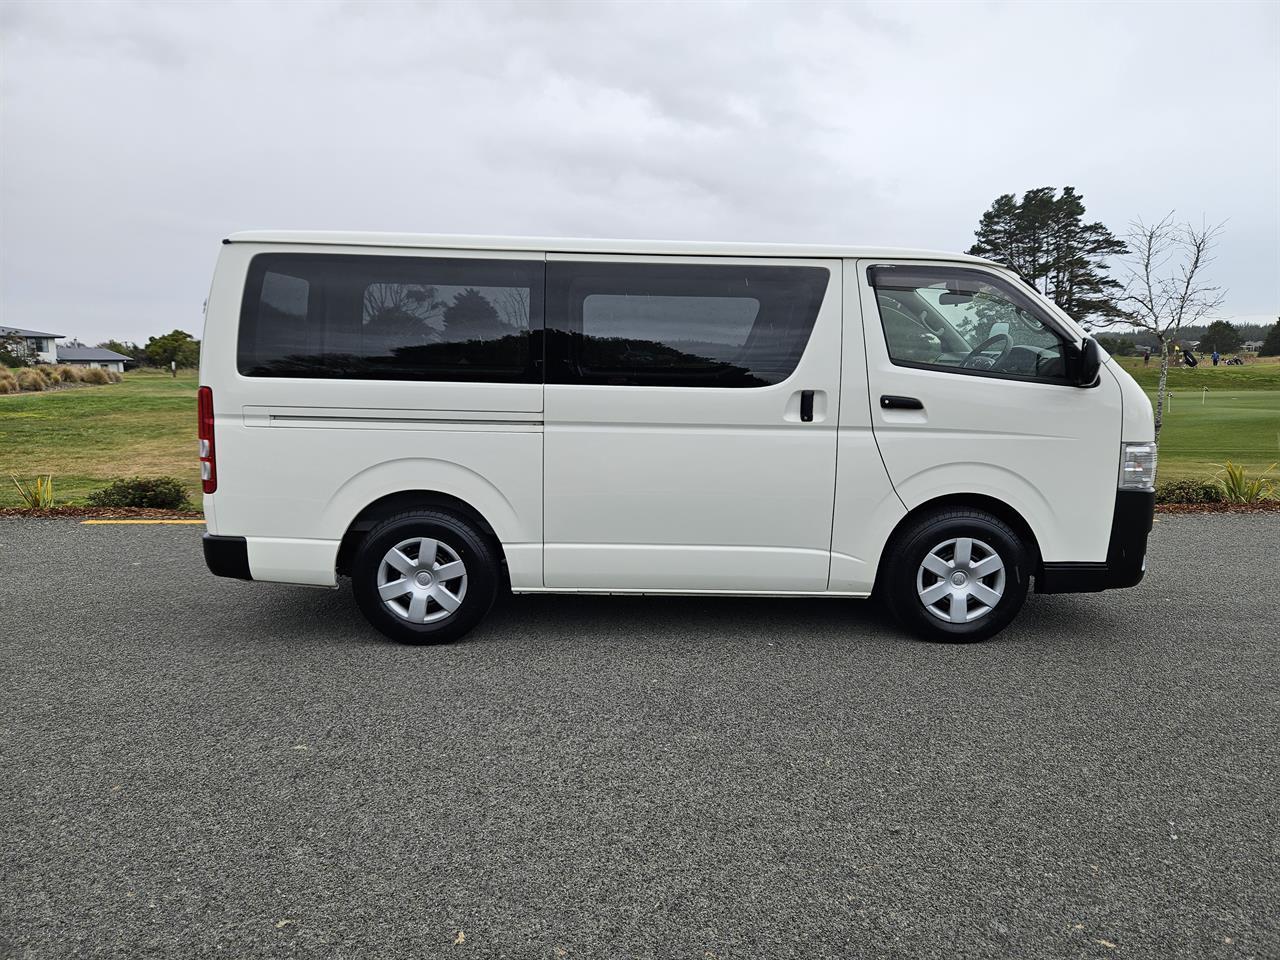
442,418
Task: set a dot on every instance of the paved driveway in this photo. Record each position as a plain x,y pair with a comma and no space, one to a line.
196,767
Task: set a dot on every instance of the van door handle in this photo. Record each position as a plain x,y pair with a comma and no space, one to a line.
806,406
900,403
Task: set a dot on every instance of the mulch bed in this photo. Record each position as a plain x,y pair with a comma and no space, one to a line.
103,513
1262,506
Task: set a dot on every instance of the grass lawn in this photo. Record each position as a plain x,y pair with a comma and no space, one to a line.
87,436
1202,431
1262,373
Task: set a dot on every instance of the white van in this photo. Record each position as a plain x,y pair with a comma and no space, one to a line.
443,418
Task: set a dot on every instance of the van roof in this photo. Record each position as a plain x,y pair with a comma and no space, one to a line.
686,248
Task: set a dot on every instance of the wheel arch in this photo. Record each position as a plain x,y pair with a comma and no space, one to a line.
976,501
393,503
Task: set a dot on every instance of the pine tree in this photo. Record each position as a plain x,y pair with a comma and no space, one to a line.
472,316
1271,343
1045,238
1221,336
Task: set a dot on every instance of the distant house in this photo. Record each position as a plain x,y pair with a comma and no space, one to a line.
75,355
1251,346
33,344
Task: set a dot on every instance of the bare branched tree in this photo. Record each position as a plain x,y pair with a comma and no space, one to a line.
1166,287
513,306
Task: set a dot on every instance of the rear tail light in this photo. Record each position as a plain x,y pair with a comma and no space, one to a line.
208,455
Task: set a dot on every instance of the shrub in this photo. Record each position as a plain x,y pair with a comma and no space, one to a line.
1239,487
96,375
8,382
1188,491
62,374
114,376
165,493
32,378
38,495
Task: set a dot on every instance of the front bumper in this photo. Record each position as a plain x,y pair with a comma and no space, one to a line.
1126,552
227,556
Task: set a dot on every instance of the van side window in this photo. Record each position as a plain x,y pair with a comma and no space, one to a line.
686,325
965,321
390,318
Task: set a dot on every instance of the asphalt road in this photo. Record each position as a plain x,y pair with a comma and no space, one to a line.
198,767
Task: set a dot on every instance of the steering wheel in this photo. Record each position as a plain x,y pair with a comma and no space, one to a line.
977,358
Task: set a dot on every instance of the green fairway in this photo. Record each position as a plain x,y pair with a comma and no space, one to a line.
1262,373
1202,430
86,436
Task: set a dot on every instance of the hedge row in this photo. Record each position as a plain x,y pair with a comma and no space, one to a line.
1189,491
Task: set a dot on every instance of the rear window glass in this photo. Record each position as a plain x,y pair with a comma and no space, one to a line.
661,324
390,318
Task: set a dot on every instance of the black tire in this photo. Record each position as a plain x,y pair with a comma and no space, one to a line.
900,588
458,534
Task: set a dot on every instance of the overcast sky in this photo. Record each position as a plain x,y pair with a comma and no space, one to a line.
136,135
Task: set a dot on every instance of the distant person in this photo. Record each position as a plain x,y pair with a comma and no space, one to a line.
1146,357
1215,356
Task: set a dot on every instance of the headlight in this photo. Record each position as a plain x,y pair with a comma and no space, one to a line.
1138,466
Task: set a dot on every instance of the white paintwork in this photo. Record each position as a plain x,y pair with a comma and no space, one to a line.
866,507
607,489
1139,418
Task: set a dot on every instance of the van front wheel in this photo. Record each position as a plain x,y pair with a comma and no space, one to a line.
957,576
427,576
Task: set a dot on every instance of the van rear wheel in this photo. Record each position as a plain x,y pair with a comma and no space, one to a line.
957,576
427,576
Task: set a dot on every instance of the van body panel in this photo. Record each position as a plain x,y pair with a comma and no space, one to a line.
680,568
867,509
1139,423
286,560
727,483
322,478
1048,450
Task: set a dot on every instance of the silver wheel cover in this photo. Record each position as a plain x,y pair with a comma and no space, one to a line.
422,580
961,580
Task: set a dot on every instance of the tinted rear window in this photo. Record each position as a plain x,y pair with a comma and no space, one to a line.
658,324
390,318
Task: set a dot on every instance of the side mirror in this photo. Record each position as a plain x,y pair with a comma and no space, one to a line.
1088,363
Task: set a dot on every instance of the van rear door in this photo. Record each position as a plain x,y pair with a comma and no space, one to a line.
690,423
